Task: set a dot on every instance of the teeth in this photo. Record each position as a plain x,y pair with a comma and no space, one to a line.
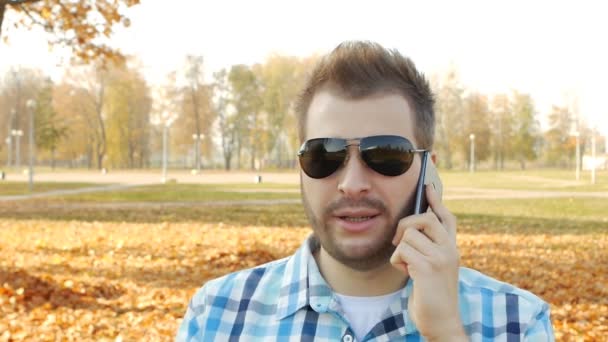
357,219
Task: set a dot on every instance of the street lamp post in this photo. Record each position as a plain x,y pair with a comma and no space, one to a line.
167,121
593,157
31,105
163,178
9,140
17,133
472,163
197,150
577,135
9,147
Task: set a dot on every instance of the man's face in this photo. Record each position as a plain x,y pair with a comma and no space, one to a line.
354,212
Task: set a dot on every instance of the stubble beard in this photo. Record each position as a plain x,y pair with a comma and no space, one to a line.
375,255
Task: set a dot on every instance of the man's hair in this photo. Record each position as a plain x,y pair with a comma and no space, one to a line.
358,69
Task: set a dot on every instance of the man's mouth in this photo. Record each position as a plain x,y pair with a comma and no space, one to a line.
357,218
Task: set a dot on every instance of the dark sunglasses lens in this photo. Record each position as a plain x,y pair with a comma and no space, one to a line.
319,158
387,155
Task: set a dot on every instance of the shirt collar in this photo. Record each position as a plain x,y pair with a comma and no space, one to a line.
303,285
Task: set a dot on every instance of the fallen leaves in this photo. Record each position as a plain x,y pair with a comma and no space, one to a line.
75,280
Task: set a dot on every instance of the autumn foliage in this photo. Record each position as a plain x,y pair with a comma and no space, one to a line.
79,281
80,25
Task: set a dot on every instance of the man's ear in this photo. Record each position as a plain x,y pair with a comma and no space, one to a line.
434,157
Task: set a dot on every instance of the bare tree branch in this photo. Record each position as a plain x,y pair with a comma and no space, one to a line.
19,2
45,25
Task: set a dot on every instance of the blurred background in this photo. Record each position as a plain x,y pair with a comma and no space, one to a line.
518,84
149,146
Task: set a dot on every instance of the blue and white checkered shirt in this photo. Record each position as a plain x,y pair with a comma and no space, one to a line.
288,300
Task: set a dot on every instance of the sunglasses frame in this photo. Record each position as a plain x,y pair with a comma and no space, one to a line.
356,142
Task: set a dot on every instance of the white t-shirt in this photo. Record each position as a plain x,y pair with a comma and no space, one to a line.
363,313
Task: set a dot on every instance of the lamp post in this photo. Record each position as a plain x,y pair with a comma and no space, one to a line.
593,157
17,133
167,122
9,140
9,150
472,163
31,105
577,135
197,150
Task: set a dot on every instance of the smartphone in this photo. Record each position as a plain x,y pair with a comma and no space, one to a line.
428,175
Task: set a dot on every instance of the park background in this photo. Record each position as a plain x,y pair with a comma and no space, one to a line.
147,148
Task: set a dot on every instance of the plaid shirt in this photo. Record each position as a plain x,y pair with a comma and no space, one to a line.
288,300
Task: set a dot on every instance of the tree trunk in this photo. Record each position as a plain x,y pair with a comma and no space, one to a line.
99,160
53,158
3,5
89,158
227,157
238,153
502,161
197,122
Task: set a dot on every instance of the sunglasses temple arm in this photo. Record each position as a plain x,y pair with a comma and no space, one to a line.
420,187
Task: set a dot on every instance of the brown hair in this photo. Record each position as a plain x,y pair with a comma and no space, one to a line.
358,69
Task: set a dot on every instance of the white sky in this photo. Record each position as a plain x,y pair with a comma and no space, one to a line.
551,49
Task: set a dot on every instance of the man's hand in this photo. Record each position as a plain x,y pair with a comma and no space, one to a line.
427,252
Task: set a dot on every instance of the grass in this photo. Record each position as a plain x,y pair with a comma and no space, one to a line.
580,209
554,215
454,181
21,188
188,193
542,180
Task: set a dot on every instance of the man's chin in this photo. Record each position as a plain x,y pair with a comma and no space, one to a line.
360,256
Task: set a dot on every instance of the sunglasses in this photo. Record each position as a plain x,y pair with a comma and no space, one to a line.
389,155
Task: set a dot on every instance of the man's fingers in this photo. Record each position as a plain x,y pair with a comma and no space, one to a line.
428,223
419,241
443,214
406,255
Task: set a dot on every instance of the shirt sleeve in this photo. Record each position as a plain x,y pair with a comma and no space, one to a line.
190,326
540,329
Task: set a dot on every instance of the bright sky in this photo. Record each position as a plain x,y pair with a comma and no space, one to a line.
554,50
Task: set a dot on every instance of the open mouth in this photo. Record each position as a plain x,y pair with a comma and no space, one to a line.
357,218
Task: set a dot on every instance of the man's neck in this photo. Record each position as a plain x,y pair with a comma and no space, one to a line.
379,281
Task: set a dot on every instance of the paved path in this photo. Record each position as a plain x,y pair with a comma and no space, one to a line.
67,192
151,177
127,179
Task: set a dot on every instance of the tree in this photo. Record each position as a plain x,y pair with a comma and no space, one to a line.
74,110
197,114
560,146
449,117
79,25
49,129
281,78
221,97
526,130
127,107
477,122
502,127
19,85
91,85
245,90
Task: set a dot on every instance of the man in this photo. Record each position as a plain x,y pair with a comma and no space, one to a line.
371,270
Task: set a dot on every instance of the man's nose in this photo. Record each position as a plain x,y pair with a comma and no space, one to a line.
354,178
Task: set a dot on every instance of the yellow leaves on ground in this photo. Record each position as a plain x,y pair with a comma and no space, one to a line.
568,271
73,280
